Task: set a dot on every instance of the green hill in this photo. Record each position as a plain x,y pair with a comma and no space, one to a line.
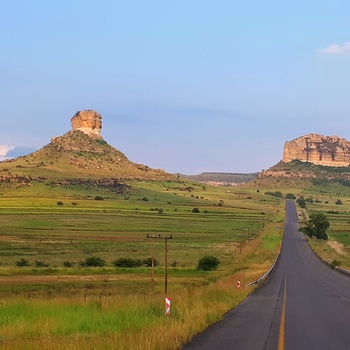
77,156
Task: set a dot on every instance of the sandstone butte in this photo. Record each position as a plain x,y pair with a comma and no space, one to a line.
318,149
89,122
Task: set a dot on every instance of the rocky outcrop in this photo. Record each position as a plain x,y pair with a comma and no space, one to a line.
318,149
89,122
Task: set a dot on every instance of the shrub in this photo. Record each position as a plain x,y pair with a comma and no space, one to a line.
68,264
290,196
277,194
22,262
195,210
101,142
128,262
174,263
93,261
148,262
99,198
301,202
41,264
59,203
338,202
208,263
335,263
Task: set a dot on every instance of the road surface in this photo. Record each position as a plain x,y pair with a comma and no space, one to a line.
304,305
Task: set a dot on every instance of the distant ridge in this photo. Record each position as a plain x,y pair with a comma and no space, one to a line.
222,178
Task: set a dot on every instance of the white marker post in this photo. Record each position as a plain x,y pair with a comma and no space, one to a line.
167,307
238,284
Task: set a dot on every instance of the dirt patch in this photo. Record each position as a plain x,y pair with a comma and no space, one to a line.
11,239
338,247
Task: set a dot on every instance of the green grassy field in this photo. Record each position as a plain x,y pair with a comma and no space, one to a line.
56,307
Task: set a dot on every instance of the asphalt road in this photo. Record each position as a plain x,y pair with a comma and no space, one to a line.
304,305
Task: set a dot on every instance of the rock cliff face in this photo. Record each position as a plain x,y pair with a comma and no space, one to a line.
89,122
318,149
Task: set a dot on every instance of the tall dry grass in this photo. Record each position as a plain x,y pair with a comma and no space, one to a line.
131,321
115,323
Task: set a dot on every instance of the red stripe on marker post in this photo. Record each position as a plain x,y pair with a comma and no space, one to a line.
167,307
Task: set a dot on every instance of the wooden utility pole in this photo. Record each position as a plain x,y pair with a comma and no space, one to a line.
165,259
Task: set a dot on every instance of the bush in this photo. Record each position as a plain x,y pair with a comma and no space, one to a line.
22,262
99,198
93,261
301,202
148,262
290,196
338,202
68,264
208,263
277,194
59,203
127,262
195,210
335,263
41,264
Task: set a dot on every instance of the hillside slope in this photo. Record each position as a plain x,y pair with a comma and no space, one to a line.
75,155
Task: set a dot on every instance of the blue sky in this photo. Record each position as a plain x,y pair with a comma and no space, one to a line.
185,85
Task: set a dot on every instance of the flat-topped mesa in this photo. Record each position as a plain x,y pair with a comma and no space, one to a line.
318,149
89,122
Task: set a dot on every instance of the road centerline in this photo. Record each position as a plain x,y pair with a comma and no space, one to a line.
281,338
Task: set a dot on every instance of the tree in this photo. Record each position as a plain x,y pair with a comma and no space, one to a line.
290,196
208,263
316,226
301,202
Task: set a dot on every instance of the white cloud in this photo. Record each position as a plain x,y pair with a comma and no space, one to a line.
336,49
4,149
